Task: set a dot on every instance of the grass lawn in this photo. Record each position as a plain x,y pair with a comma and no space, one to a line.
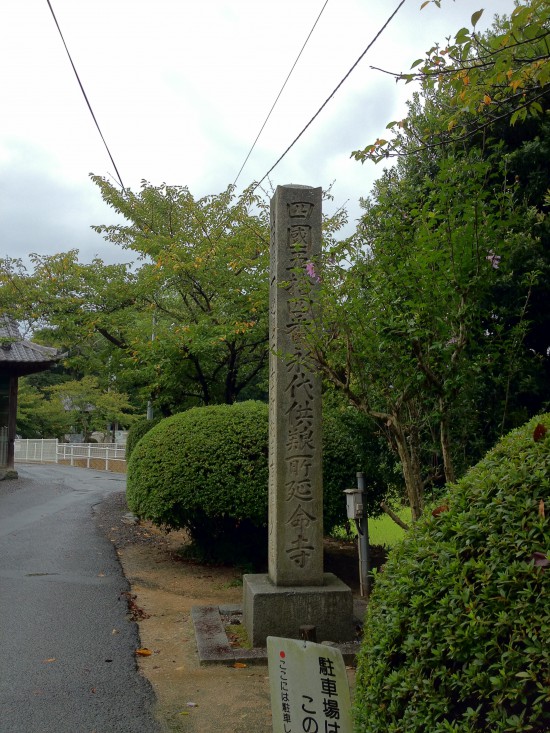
382,530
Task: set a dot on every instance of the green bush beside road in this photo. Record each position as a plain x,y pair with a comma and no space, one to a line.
137,431
206,470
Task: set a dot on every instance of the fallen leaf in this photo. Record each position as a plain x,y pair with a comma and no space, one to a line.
439,510
192,705
101,575
540,560
539,432
239,665
136,612
51,659
93,690
115,631
541,509
143,652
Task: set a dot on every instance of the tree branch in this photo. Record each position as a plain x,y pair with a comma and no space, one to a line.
394,516
112,339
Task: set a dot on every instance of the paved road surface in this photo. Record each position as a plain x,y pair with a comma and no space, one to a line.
67,660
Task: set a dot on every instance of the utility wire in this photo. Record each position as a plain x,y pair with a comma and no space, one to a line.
327,100
278,95
86,98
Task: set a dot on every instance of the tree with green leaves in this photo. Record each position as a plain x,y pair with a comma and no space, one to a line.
476,80
428,310
186,324
410,324
39,416
89,407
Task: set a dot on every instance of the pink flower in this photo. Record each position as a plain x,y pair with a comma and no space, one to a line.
493,259
310,269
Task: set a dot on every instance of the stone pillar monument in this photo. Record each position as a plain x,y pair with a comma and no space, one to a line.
295,592
295,433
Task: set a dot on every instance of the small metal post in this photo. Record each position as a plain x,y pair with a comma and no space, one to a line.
308,632
363,541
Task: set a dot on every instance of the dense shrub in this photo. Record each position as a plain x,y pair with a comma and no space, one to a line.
458,627
136,433
206,469
351,444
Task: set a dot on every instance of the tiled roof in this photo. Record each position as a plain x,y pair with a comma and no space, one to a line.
8,328
15,350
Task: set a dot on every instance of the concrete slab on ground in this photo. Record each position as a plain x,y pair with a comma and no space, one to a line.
213,646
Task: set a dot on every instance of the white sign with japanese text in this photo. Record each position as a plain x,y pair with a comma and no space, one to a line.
309,687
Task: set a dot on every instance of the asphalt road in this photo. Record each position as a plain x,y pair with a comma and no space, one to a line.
67,648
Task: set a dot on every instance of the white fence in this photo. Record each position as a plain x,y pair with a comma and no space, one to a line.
100,456
36,451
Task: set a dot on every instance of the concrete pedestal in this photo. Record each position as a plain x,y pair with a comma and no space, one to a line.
270,610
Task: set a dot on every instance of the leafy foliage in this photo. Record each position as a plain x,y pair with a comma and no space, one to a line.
39,416
203,283
456,634
89,407
206,470
414,317
137,431
475,80
434,320
186,324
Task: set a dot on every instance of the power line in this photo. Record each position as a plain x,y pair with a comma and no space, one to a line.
278,95
327,100
86,98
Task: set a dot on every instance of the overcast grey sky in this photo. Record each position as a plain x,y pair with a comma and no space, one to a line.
180,89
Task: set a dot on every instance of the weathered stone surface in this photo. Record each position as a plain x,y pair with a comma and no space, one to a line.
295,592
272,610
295,440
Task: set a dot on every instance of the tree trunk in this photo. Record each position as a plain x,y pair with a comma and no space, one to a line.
410,463
445,441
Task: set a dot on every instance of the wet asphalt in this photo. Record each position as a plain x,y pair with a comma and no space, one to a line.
67,646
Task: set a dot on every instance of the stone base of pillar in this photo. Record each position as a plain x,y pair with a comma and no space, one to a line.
270,610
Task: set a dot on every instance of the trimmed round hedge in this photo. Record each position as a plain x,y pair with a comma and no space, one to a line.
137,431
206,470
457,634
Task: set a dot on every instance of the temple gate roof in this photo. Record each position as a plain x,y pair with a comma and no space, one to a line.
18,356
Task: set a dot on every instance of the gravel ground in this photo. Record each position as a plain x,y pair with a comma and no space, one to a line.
10,486
122,528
